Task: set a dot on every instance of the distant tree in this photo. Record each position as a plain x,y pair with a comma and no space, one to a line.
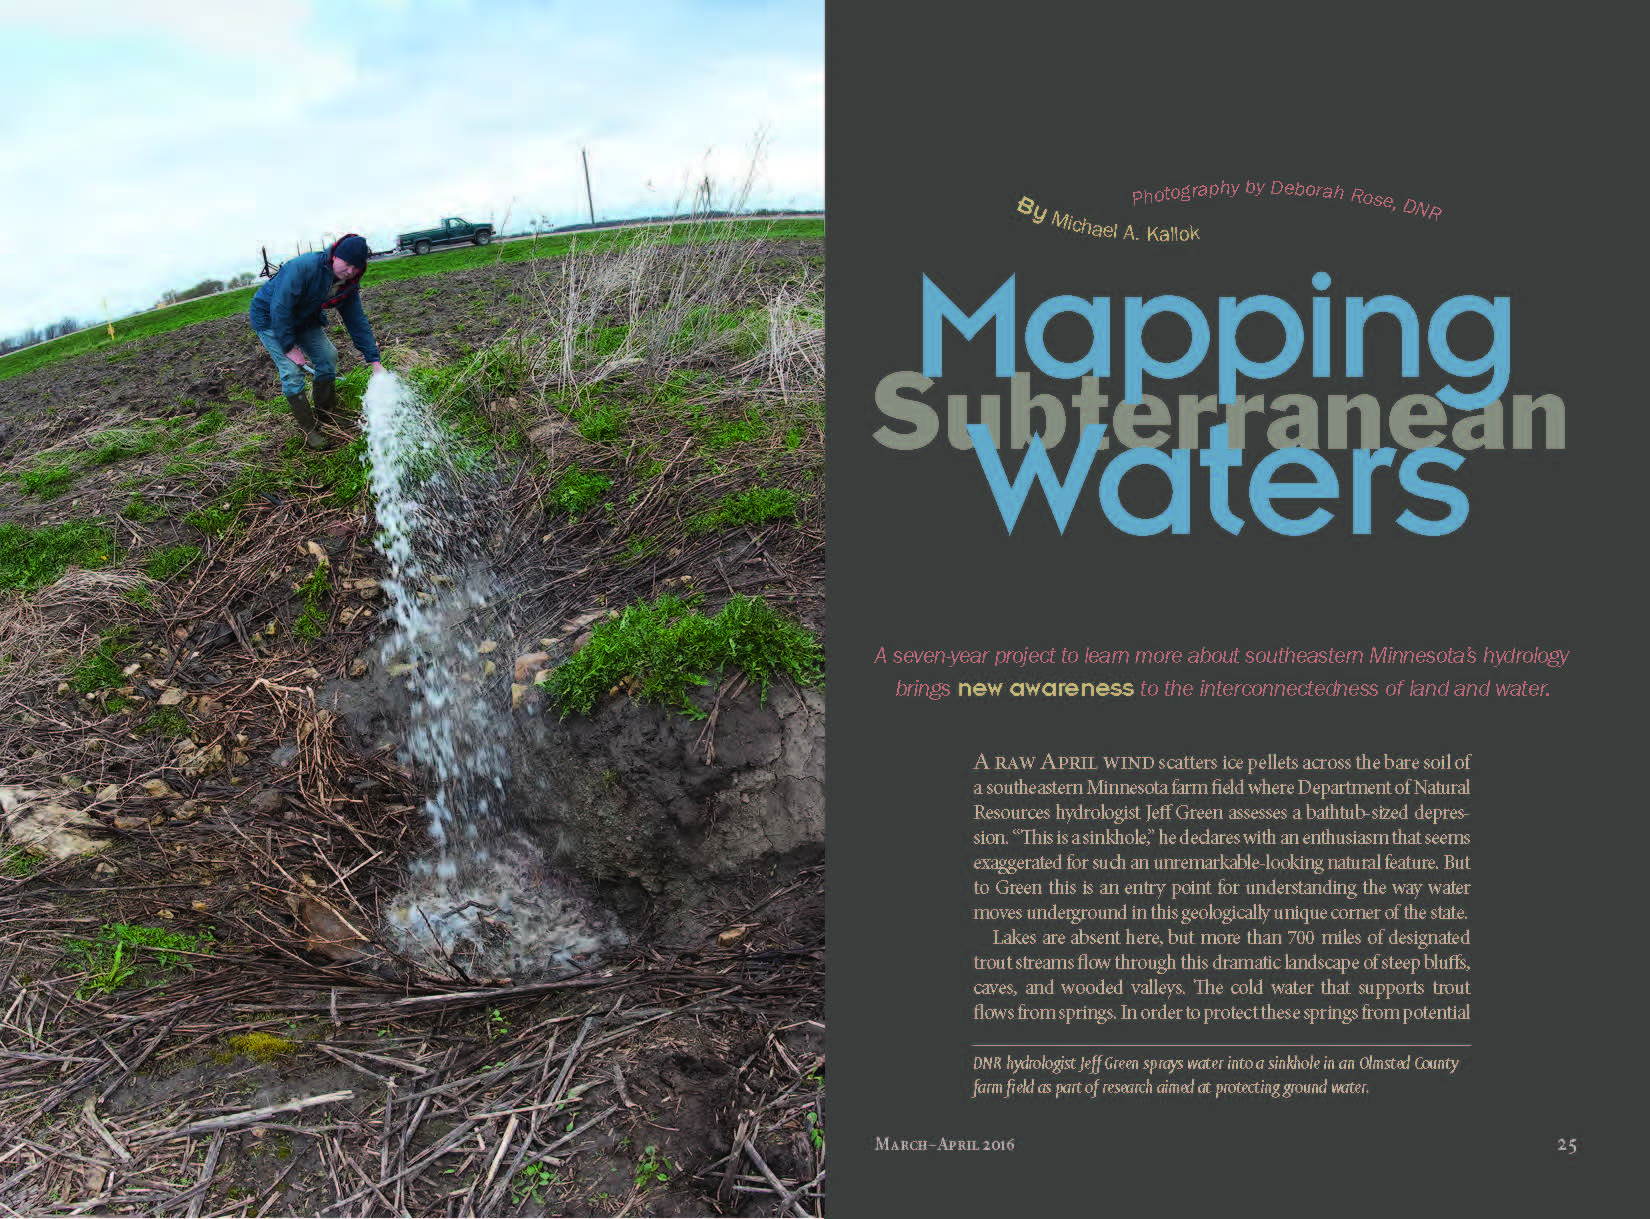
173,296
205,288
36,334
242,280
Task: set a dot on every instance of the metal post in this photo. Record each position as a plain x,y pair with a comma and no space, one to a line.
585,154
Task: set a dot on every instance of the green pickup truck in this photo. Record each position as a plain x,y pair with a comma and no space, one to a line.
451,230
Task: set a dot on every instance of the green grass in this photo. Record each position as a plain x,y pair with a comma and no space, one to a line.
577,491
699,323
638,548
557,245
167,722
33,558
757,506
100,669
664,648
351,389
606,340
122,953
216,520
715,431
48,482
120,348
747,330
677,384
170,561
18,863
602,420
310,623
339,471
461,391
122,444
175,317
141,510
314,591
728,433
343,470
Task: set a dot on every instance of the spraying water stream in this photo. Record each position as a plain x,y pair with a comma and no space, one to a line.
487,901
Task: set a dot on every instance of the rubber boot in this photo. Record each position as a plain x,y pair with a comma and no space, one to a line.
326,401
306,421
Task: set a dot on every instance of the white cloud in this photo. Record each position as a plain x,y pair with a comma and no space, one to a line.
233,31
158,144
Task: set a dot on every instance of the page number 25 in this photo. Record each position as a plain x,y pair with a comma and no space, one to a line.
1569,1146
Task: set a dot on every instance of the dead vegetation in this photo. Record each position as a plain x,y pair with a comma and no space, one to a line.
181,716
426,1103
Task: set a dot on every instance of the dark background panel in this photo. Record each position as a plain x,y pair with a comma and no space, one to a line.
938,126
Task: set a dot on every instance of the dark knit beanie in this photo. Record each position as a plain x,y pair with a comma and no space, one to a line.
352,250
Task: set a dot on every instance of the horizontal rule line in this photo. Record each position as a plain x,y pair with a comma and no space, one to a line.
1220,1045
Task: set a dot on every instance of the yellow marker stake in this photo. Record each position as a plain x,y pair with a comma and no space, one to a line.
106,320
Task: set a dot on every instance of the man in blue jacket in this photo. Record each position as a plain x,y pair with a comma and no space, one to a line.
286,315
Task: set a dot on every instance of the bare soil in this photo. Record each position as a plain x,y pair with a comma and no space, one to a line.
683,1077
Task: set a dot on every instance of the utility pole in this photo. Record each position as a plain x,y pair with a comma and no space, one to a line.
585,154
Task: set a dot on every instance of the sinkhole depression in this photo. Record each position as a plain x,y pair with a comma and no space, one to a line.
485,901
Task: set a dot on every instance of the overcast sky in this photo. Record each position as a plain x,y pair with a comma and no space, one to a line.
149,145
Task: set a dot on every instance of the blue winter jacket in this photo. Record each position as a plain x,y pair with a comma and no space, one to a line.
293,298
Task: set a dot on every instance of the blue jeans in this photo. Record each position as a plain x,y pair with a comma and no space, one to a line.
323,357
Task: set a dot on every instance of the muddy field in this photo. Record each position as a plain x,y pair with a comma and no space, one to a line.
229,1060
